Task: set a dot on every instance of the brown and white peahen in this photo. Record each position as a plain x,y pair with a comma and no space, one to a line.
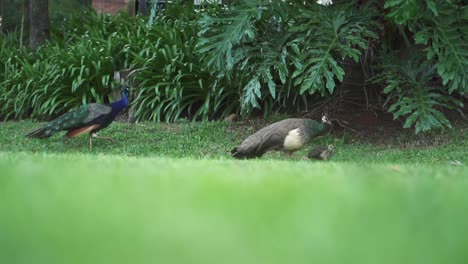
287,135
88,118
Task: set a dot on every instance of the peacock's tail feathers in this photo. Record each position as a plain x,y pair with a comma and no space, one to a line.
235,153
43,132
70,119
63,122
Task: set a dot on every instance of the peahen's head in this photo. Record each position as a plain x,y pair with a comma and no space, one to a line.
331,147
325,120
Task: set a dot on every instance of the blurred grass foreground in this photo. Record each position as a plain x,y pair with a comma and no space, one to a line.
81,208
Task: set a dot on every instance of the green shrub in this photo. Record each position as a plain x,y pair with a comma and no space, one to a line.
415,92
420,88
282,52
12,104
442,26
171,81
75,67
247,56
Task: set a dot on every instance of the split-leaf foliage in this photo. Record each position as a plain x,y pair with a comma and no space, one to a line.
247,56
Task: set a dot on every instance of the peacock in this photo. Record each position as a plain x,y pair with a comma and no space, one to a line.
288,135
88,118
321,152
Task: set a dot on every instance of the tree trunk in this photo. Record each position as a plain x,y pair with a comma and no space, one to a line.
142,7
131,5
86,3
1,14
38,22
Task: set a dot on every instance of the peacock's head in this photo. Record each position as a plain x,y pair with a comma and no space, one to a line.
325,120
126,90
125,95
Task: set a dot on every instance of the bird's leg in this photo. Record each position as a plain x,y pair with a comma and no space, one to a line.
288,154
65,139
90,139
94,135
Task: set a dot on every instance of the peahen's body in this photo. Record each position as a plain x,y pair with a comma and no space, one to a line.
287,135
88,118
321,152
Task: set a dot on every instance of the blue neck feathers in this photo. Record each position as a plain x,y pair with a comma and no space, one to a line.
118,106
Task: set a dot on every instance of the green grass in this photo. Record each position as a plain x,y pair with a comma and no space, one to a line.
77,208
171,194
215,140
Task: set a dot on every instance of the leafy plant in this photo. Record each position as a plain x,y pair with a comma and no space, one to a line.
75,67
172,83
327,36
443,27
247,56
415,91
280,50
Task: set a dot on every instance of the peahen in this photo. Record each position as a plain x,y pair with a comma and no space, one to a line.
321,152
287,135
88,118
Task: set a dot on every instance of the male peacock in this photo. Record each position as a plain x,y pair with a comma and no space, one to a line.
287,135
88,118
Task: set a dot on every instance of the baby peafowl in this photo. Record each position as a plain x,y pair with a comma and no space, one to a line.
88,118
321,152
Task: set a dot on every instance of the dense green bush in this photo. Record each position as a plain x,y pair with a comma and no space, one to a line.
76,66
419,86
12,59
414,91
172,83
284,51
245,56
73,68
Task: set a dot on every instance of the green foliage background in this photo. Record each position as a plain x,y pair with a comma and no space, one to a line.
247,56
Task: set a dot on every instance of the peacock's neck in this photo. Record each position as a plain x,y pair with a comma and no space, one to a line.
118,106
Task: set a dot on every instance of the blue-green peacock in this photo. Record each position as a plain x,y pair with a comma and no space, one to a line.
88,118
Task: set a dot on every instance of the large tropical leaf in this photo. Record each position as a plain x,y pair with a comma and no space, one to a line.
413,92
446,34
326,36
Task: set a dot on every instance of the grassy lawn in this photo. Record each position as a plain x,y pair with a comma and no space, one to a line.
172,194
214,140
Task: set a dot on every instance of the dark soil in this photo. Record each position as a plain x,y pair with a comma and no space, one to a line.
369,125
380,128
375,127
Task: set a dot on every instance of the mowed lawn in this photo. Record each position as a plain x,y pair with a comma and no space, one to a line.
141,201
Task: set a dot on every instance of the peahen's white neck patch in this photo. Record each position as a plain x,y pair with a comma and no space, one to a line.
293,140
